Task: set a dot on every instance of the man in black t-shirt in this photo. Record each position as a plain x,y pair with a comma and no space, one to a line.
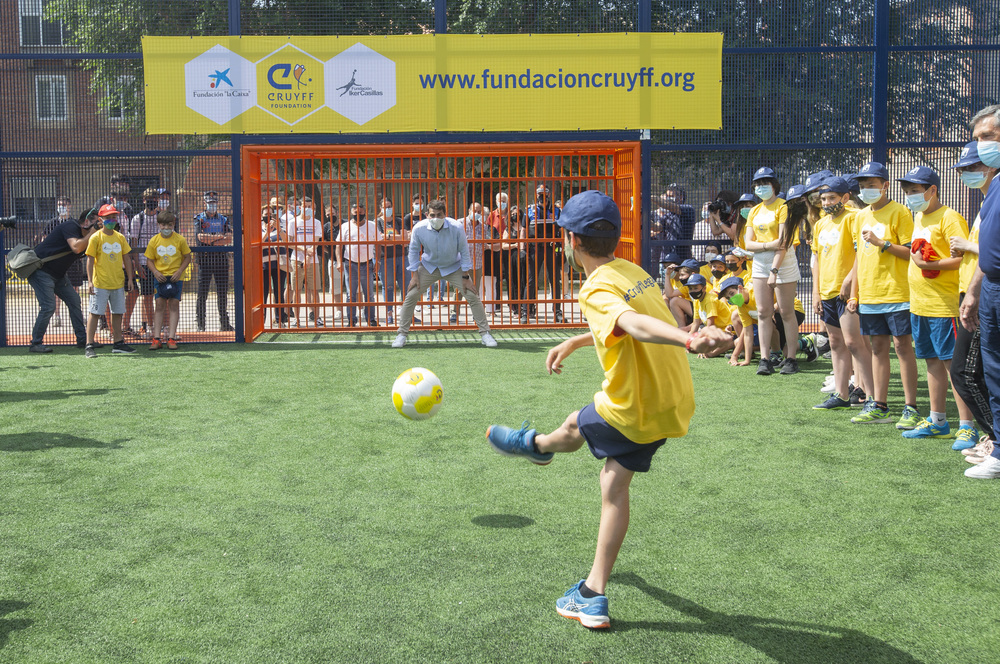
392,268
69,238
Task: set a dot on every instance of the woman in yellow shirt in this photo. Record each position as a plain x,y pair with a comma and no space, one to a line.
775,268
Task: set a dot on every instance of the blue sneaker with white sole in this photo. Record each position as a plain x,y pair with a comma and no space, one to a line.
926,429
592,612
517,442
965,438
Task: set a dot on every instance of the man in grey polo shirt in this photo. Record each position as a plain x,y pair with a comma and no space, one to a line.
440,250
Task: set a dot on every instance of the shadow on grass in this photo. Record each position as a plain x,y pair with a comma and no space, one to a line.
8,626
34,441
782,640
53,395
503,521
30,366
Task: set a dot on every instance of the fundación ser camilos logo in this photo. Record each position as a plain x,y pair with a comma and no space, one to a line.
290,84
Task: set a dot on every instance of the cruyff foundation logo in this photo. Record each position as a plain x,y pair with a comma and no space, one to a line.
290,84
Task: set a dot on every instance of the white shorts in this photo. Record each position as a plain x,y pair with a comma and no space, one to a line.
788,271
103,297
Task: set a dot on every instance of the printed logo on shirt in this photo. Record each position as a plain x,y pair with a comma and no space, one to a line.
829,237
111,249
170,250
921,233
877,229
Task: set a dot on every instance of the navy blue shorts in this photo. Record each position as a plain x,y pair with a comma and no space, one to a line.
169,290
606,441
833,309
894,323
933,337
147,284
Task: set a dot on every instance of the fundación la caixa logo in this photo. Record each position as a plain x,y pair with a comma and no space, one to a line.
359,83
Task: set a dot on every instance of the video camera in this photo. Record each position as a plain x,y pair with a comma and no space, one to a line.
8,222
720,206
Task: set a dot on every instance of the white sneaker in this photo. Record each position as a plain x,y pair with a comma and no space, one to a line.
320,322
989,469
488,340
400,341
293,322
337,315
828,388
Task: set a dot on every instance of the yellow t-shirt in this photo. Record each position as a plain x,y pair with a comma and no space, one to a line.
682,288
107,251
647,393
937,297
765,221
748,312
833,245
882,277
711,310
167,253
969,260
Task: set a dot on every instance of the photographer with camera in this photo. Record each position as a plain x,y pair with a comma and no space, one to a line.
68,240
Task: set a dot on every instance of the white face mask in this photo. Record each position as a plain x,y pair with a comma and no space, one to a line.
164,203
917,202
388,212
503,206
709,255
869,196
705,214
416,207
477,217
166,232
211,208
62,210
307,213
437,223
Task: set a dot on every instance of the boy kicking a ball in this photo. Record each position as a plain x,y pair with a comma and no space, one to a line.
647,395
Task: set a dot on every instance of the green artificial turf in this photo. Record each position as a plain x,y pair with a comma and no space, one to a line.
265,503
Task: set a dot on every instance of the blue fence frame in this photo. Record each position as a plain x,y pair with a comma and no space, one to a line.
879,147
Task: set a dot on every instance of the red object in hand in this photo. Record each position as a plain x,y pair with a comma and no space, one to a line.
928,254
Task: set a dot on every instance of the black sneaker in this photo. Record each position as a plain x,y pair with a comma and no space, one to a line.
765,368
90,353
122,348
791,366
559,317
39,348
811,352
858,397
777,359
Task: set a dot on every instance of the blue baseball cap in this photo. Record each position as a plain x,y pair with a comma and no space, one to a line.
817,180
587,207
969,156
763,173
922,175
838,185
796,191
872,169
692,264
746,198
728,282
719,258
696,280
671,258
852,181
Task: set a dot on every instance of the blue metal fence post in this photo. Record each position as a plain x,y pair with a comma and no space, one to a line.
880,97
235,144
645,24
440,17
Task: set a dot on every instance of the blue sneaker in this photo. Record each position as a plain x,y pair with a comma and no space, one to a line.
926,429
592,612
965,438
517,442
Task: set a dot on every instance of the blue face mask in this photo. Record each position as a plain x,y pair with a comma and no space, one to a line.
973,179
869,196
917,202
989,153
764,192
745,212
110,225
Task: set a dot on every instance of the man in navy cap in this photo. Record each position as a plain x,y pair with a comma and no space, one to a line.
881,234
648,395
981,306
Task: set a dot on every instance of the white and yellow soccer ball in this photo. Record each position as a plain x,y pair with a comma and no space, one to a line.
417,394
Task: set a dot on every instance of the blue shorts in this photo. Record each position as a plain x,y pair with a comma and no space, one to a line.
833,310
933,337
169,290
606,441
895,323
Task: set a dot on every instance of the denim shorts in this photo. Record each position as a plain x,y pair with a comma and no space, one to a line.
933,337
606,441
